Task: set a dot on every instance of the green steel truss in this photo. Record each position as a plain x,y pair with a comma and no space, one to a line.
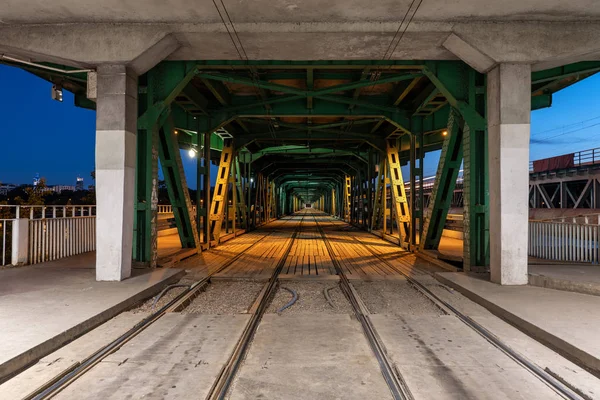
331,115
179,196
448,169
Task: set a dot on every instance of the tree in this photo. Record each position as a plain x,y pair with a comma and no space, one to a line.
35,194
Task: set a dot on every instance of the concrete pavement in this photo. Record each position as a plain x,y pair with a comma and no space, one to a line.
44,306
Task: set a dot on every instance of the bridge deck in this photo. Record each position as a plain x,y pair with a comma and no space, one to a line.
312,350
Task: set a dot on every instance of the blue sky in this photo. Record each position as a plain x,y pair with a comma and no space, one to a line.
56,140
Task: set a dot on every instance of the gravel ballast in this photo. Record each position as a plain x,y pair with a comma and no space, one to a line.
396,297
310,298
146,306
225,297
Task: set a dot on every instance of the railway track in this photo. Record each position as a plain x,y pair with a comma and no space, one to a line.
541,374
75,371
221,386
392,376
223,383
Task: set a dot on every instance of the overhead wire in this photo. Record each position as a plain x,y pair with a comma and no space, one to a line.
244,58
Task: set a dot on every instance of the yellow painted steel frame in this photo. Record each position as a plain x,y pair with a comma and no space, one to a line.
217,206
333,200
400,204
347,198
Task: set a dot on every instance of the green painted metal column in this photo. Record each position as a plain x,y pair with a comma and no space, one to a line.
445,181
145,235
416,182
476,253
170,161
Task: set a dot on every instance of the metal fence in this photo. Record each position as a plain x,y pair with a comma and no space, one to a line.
168,209
34,234
564,242
51,239
39,212
581,158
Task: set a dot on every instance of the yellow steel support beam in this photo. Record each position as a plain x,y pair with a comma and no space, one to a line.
219,198
347,198
399,202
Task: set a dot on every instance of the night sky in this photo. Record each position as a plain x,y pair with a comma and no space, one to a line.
56,140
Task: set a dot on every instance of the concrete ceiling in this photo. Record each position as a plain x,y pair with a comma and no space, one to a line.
257,11
86,33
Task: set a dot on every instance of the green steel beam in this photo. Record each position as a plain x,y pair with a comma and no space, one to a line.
300,92
476,254
365,74
441,196
302,65
195,99
170,161
450,80
310,85
169,80
145,236
219,91
567,71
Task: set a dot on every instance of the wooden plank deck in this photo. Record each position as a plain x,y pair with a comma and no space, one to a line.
308,257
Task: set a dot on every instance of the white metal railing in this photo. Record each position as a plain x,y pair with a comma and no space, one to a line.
564,242
168,209
165,209
51,239
46,211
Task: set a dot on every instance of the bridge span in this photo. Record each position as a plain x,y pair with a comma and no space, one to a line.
304,268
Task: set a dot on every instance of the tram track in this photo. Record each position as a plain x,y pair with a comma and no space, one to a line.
540,373
221,387
222,384
396,383
59,382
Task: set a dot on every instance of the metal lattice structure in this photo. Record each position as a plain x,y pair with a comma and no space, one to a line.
298,129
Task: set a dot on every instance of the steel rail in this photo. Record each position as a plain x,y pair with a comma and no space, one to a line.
223,382
392,376
65,378
489,336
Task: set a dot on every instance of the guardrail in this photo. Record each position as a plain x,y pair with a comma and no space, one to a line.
30,234
580,158
46,211
168,209
564,242
51,239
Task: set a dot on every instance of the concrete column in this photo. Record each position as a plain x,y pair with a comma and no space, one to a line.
509,109
20,241
116,125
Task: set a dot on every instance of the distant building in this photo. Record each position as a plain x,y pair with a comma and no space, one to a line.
36,179
61,188
4,189
79,184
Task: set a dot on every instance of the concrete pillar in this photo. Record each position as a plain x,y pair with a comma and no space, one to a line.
20,241
116,125
509,109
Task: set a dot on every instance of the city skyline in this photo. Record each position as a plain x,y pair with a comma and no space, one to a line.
60,141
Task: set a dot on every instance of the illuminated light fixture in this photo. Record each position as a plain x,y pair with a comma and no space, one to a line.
57,93
175,131
444,133
251,180
192,153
